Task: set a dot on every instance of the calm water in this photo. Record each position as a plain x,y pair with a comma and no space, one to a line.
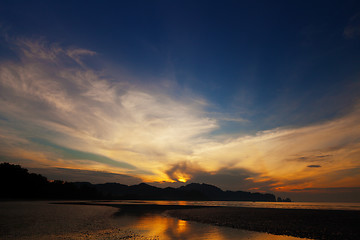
293,205
41,220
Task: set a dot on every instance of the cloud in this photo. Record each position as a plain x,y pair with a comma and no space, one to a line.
334,145
225,178
77,175
313,166
312,157
40,49
50,94
338,189
68,153
183,171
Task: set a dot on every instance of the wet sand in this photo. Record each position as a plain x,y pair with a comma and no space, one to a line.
39,220
315,224
156,216
303,223
91,220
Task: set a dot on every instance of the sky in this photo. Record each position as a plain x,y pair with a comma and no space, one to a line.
258,96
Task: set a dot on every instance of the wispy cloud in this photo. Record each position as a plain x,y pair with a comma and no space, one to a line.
68,153
54,96
76,175
333,145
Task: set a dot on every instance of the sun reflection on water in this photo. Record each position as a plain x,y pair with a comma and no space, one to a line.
167,228
181,226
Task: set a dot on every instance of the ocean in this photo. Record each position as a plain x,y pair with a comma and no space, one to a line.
291,205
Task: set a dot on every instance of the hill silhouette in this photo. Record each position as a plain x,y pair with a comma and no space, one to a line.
17,183
192,191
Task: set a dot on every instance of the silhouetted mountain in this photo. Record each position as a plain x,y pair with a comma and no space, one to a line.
207,191
192,191
17,182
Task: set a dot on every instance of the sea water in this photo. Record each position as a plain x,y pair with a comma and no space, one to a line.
288,205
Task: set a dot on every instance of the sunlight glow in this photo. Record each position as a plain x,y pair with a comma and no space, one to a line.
181,179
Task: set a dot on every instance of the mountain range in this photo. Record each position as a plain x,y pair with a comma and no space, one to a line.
192,191
17,183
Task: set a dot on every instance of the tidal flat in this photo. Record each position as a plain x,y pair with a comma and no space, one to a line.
89,220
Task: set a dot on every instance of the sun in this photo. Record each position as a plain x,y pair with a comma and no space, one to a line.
182,179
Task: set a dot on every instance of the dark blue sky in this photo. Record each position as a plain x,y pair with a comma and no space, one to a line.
254,59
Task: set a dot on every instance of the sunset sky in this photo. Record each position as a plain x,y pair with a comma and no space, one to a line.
245,95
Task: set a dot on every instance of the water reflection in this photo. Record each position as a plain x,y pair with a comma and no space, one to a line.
167,228
181,226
